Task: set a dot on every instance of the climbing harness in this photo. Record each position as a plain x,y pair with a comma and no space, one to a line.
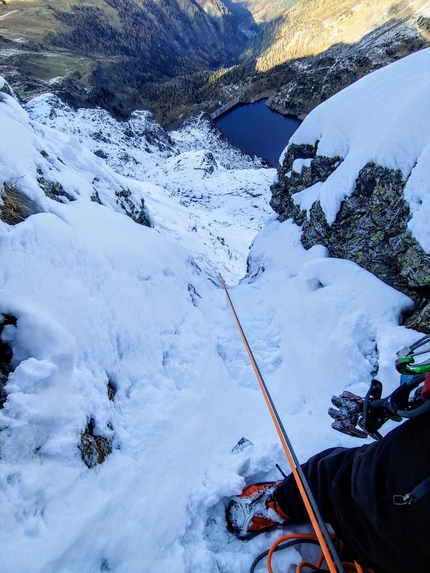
362,417
322,535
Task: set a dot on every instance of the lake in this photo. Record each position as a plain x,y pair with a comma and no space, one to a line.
257,129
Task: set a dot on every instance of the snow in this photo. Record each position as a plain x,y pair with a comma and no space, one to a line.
389,125
102,299
306,198
417,194
229,192
298,164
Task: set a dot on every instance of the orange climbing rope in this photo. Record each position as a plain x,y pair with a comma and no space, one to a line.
330,554
307,538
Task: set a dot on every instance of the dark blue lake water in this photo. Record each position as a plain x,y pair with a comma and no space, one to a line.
257,129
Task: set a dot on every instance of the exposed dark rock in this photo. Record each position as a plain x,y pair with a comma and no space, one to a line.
111,390
5,356
98,136
291,182
94,449
101,153
5,88
138,215
241,445
54,189
371,227
193,294
208,163
424,22
95,198
419,320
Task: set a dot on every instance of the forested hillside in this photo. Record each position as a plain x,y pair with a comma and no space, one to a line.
169,38
115,48
264,11
180,57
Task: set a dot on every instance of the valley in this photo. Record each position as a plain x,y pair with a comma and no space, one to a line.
103,53
177,59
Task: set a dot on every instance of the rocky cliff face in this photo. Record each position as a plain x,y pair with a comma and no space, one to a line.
370,228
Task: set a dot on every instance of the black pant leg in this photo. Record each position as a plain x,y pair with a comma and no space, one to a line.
320,471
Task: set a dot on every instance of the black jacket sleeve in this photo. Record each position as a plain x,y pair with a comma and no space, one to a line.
354,489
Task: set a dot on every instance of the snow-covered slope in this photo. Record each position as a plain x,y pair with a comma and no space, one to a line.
229,191
125,329
35,159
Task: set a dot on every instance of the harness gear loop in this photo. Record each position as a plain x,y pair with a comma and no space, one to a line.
332,558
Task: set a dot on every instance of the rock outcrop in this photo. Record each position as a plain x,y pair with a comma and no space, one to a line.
94,449
371,227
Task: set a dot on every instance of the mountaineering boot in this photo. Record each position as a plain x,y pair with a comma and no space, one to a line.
255,510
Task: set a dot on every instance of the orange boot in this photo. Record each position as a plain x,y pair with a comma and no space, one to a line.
255,510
